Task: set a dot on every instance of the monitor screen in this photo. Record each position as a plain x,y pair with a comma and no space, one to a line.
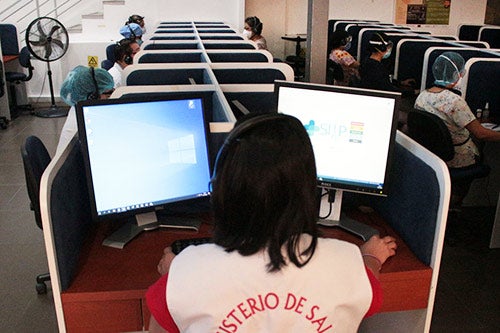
141,154
352,132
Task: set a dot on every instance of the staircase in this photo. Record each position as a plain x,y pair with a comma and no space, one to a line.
78,16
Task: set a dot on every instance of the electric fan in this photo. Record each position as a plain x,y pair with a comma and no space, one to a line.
47,40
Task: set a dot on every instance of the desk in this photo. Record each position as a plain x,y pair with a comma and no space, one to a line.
8,58
107,293
297,39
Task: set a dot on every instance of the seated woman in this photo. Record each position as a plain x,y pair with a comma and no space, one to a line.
82,83
442,101
268,270
341,42
253,32
374,74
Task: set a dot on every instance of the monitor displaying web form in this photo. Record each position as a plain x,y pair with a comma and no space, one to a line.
142,154
352,132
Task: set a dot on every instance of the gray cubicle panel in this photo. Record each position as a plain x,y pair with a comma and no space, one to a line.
417,210
168,74
249,98
491,35
170,56
251,73
409,56
481,83
432,53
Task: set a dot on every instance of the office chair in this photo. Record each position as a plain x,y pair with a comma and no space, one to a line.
334,72
35,160
15,78
110,57
431,132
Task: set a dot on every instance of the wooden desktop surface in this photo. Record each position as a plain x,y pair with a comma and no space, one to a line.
108,274
7,58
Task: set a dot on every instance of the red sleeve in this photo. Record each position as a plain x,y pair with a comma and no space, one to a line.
378,297
156,300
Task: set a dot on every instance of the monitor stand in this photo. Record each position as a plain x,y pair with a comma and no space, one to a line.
146,222
340,220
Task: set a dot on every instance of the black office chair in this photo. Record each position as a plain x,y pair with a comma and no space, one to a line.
334,72
35,160
17,77
110,57
431,132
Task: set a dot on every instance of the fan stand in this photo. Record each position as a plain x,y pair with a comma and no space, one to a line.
53,111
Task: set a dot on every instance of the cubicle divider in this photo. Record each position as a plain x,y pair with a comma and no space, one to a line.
247,98
490,35
69,239
170,56
409,56
481,85
467,53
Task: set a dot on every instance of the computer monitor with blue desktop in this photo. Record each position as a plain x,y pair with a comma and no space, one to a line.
353,133
142,155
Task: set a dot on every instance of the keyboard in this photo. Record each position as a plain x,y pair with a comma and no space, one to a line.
180,244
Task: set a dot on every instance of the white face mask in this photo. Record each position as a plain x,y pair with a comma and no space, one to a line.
247,34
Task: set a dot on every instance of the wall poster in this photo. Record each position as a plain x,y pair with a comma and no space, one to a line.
423,11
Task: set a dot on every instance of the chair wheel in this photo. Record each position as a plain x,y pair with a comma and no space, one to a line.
41,288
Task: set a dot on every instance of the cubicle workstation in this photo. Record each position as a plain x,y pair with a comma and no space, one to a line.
101,289
409,55
248,73
468,31
247,98
481,85
168,74
491,35
467,53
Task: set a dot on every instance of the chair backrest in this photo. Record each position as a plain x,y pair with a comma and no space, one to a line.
25,61
36,158
110,52
431,132
8,39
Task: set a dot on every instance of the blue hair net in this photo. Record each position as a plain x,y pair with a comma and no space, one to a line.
79,85
131,30
448,68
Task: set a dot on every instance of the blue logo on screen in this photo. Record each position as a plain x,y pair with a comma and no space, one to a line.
354,130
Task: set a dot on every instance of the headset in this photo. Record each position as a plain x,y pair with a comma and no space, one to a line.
123,49
381,45
238,132
95,94
256,25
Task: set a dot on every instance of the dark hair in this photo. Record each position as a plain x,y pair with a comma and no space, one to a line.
339,38
379,42
135,19
264,190
123,50
255,24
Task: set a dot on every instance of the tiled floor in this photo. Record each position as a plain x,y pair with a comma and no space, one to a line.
468,294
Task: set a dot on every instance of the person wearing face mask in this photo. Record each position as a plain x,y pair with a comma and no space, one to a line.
133,32
253,32
341,42
443,101
124,53
374,74
139,20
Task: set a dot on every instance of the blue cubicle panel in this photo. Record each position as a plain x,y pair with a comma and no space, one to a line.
170,46
215,31
410,56
481,85
228,46
170,57
243,102
467,53
222,37
247,75
168,76
491,35
174,31
8,38
469,31
238,57
171,37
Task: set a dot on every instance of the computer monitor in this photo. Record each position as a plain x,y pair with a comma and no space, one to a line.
142,154
352,132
